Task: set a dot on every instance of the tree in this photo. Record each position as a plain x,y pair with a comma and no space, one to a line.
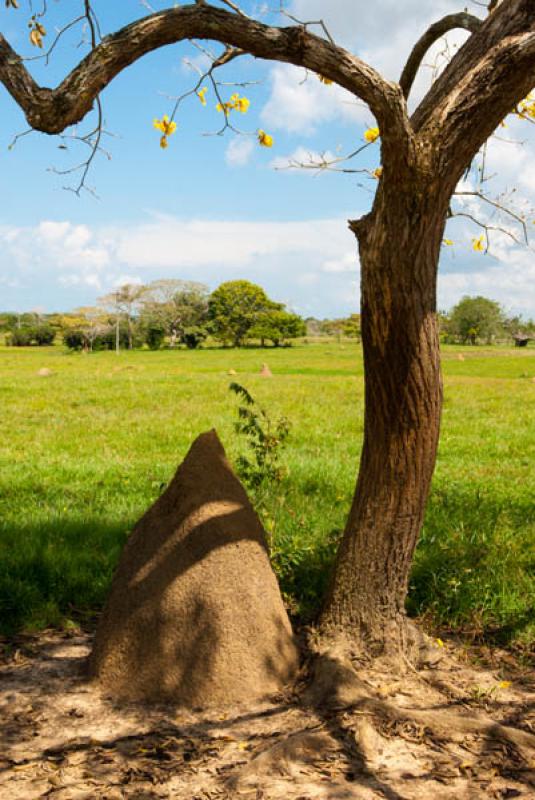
122,303
424,155
476,318
179,308
277,326
235,308
83,326
348,326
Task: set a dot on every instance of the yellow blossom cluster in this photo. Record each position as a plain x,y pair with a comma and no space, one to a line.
371,135
201,95
167,127
265,139
236,103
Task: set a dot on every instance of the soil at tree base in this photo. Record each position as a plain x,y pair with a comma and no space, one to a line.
64,739
195,614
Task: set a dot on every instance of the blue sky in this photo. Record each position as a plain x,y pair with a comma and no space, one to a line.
214,208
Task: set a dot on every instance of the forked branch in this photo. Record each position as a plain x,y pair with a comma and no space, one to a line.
463,20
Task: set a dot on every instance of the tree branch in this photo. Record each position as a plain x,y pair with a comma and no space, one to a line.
481,85
453,21
52,110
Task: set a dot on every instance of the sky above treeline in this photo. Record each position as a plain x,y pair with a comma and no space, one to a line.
213,208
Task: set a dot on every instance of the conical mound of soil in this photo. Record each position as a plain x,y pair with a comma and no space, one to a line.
194,614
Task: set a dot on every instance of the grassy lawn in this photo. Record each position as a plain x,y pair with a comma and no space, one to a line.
87,449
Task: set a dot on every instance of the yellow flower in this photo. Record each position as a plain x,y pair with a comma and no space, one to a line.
167,127
377,173
479,244
265,139
447,242
201,95
371,134
527,107
323,79
164,125
242,104
235,103
504,684
439,642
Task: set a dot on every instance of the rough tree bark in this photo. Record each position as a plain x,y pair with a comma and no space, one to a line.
423,158
399,244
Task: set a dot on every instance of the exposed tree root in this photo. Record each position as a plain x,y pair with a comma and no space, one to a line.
355,731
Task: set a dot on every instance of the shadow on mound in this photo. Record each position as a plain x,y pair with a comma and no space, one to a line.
194,613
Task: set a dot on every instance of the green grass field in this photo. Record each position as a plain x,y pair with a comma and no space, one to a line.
84,451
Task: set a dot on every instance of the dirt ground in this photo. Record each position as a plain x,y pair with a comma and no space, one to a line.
60,738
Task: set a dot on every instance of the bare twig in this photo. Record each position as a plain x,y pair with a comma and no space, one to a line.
499,207
46,56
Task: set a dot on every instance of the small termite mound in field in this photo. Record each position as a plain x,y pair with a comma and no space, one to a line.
265,372
194,614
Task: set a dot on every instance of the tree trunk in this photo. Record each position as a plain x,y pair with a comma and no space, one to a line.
399,245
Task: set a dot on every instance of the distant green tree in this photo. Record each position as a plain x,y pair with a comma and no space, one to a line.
19,337
277,326
44,335
8,320
179,307
351,326
75,339
476,318
154,334
27,335
193,336
235,308
344,326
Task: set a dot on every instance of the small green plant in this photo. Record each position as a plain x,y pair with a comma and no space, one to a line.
265,438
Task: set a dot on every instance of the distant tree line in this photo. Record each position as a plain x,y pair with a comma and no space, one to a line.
478,320
173,313
168,312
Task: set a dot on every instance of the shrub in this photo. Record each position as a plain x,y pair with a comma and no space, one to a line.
154,336
44,335
20,337
75,340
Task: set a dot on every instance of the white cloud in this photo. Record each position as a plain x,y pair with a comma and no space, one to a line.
285,257
93,280
239,151
67,244
299,103
312,263
348,263
506,276
172,243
